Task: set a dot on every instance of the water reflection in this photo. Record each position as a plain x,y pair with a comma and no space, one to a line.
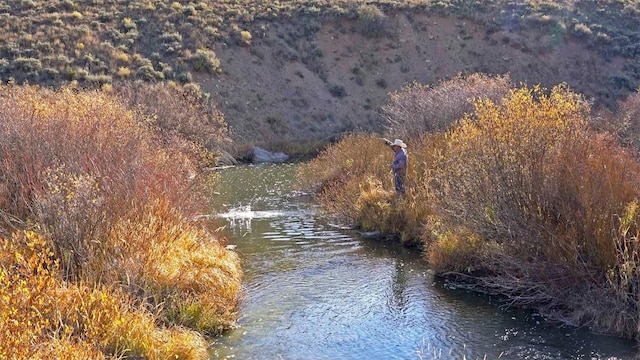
315,291
398,287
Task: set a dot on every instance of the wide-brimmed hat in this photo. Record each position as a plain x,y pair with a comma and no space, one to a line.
399,142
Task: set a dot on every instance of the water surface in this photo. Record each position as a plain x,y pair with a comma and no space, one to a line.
316,291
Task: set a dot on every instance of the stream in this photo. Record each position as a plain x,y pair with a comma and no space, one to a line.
315,290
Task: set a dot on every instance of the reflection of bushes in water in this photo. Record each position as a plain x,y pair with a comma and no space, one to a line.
109,194
521,197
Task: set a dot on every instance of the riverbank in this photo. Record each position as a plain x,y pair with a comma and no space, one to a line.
520,198
100,255
315,290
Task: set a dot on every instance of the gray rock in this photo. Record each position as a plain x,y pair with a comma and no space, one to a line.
261,156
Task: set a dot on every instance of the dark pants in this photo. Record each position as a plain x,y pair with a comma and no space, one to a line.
398,181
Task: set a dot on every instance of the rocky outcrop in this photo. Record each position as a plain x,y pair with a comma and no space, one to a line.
259,155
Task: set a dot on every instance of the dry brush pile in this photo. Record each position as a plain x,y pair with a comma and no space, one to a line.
100,255
521,197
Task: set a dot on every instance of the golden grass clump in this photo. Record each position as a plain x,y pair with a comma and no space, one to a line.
26,280
110,321
45,317
338,175
180,266
374,204
457,251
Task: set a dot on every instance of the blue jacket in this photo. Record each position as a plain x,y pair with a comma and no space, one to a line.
399,164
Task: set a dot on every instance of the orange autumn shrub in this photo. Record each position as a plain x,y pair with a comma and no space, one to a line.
105,187
544,195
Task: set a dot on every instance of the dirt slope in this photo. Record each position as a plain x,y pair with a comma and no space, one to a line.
304,79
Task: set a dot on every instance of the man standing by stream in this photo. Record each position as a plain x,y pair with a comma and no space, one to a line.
399,164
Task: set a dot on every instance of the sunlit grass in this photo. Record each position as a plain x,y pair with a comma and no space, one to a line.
46,317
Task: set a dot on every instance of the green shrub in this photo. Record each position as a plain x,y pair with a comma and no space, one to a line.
97,81
205,60
4,66
148,73
372,22
337,90
27,65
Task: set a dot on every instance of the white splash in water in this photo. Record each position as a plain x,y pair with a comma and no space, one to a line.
242,217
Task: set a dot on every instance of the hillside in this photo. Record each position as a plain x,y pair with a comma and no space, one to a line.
337,79
299,71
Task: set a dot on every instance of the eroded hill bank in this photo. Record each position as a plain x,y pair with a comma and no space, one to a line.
310,78
295,70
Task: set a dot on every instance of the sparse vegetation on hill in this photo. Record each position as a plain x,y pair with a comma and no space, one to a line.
521,198
100,42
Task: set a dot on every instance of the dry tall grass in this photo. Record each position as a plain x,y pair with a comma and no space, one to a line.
183,109
417,108
520,199
112,197
44,317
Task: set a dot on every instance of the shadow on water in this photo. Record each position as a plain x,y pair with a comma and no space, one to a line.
315,291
